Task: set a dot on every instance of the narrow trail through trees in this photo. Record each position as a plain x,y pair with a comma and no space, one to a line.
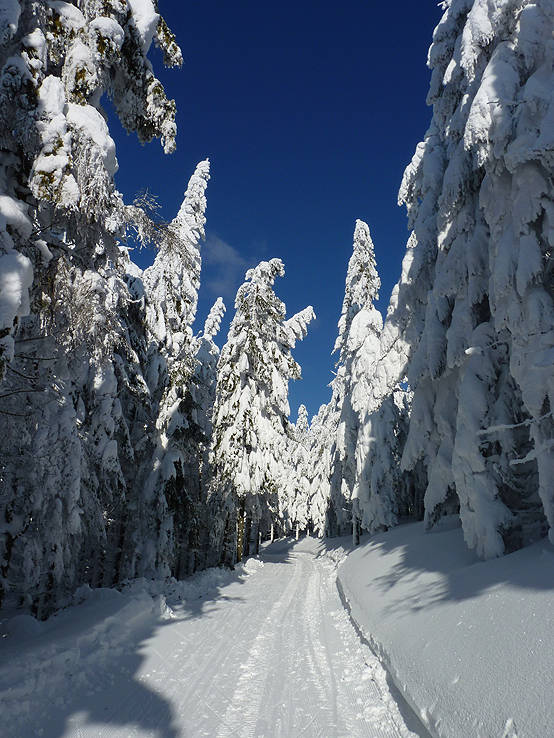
274,656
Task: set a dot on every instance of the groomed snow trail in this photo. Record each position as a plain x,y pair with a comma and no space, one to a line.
273,656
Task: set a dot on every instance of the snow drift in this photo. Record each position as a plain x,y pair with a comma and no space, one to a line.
467,642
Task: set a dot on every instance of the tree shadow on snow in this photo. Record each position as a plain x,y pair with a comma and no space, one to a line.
436,566
84,672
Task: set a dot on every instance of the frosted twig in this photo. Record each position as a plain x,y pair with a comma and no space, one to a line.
506,426
15,415
534,453
32,338
20,374
21,391
35,358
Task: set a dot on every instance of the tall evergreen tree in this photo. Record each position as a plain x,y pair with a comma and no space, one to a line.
320,439
479,195
173,496
74,404
251,407
359,325
298,483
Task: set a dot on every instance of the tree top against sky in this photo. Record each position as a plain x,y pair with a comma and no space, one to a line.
309,116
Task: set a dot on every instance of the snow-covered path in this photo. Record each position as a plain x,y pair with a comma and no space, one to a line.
274,655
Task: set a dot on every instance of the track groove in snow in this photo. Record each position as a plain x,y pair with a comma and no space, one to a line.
273,656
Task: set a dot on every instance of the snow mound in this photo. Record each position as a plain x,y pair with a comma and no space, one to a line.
467,642
98,634
176,593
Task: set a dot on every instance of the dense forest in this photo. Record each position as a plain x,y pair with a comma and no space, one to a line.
132,446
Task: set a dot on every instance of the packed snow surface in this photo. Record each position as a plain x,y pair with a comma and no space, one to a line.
469,643
267,650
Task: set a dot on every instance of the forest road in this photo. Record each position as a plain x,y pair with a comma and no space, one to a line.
274,655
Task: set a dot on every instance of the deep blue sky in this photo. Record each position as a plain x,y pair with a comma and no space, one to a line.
309,115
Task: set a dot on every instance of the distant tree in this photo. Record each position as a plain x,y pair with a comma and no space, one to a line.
359,327
320,439
299,514
251,406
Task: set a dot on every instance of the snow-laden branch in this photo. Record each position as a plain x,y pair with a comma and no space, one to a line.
534,453
298,324
508,426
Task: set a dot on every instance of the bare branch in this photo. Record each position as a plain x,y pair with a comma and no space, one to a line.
35,358
22,391
20,374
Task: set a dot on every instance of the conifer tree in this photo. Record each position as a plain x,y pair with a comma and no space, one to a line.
251,407
320,438
173,491
298,482
359,325
75,403
479,198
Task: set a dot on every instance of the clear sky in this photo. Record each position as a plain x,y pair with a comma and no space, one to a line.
309,113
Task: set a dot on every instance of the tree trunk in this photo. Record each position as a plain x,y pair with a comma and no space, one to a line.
355,530
247,534
255,537
240,529
297,531
228,550
272,538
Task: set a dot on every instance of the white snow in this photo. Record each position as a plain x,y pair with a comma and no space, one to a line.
108,28
88,120
469,643
16,276
266,650
146,20
70,16
45,252
13,213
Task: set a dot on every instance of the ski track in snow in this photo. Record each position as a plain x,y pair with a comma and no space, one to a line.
275,656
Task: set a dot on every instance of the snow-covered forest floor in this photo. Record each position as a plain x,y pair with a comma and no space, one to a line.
468,642
266,650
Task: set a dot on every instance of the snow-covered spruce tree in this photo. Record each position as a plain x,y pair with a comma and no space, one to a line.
203,388
205,374
73,402
322,431
383,494
172,496
171,283
290,516
299,483
479,197
251,409
359,327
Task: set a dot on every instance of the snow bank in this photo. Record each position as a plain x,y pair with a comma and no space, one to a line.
469,643
202,584
45,663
